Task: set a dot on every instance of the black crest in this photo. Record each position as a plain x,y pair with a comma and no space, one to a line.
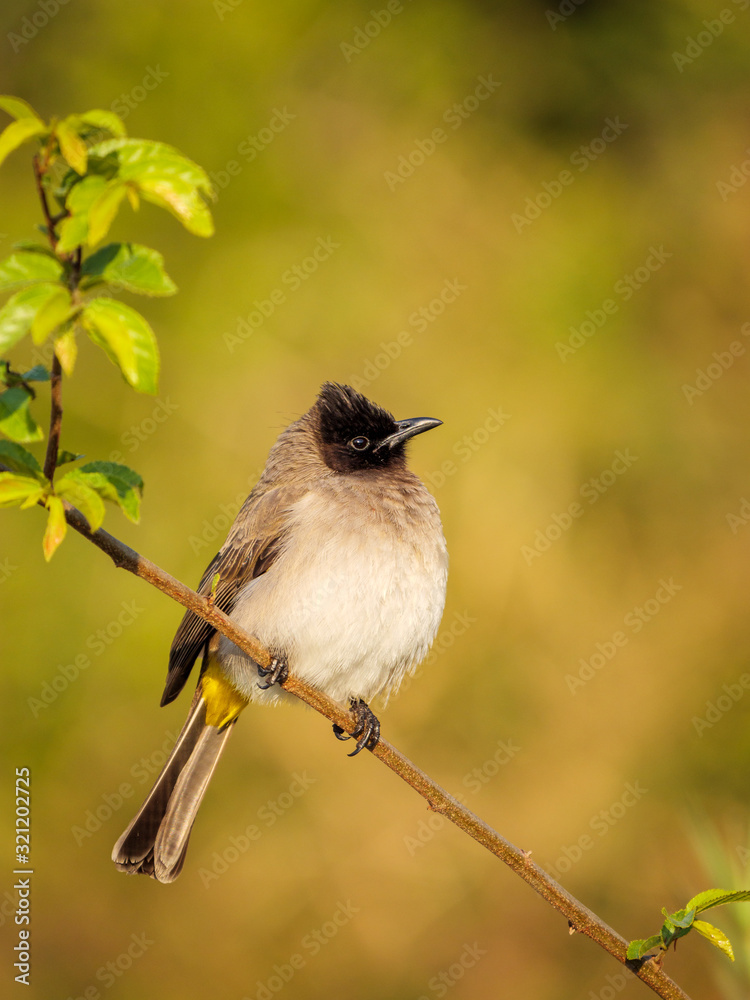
350,429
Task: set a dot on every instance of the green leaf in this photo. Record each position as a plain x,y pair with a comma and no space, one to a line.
680,918
130,266
17,108
66,349
126,338
56,526
75,229
639,947
717,897
72,146
63,457
81,495
163,176
182,200
15,489
19,312
15,420
26,268
18,459
107,120
36,374
113,482
676,925
19,132
51,314
31,246
104,210
10,378
61,186
93,204
124,472
715,936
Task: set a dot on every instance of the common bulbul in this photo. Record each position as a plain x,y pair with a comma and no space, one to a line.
337,564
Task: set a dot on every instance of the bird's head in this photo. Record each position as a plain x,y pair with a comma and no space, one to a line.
354,434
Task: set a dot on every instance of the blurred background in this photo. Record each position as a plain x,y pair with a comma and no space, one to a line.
534,224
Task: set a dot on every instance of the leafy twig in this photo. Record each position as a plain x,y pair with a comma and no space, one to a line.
681,922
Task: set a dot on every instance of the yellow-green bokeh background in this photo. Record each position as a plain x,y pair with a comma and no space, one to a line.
224,74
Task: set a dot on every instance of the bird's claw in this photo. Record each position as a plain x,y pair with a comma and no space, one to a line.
367,732
277,672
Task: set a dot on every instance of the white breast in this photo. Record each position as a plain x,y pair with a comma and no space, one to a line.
355,598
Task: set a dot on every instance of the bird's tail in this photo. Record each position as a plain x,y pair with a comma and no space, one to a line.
156,841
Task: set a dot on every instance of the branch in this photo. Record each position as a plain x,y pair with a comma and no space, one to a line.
39,171
579,917
55,419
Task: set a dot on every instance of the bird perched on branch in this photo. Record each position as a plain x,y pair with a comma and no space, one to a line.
337,564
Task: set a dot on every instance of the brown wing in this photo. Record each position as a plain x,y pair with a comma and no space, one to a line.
253,543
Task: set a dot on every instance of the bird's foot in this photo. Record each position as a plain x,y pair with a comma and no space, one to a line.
367,732
276,672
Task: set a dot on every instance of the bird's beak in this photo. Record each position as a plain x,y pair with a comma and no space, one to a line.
408,429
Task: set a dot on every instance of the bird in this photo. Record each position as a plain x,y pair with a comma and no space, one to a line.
337,563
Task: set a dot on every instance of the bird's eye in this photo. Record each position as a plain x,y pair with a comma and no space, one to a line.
359,443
